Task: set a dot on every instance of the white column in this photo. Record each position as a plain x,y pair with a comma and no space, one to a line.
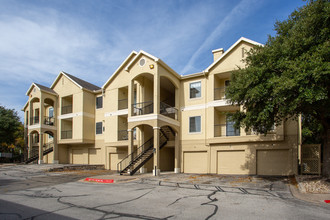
41,150
177,168
156,168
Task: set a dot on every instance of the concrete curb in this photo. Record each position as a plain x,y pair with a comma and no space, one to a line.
309,197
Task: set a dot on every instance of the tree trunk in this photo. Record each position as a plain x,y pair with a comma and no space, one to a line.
326,154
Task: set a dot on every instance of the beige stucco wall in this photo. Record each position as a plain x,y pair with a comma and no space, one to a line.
200,152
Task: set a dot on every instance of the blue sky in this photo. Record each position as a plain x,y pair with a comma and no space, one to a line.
90,38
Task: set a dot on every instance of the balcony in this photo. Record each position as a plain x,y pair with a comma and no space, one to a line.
225,130
220,93
168,111
49,121
143,108
66,134
122,104
66,109
34,120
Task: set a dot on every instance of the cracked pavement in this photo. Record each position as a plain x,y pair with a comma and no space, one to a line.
61,196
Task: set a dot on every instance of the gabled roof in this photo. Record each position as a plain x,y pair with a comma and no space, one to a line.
230,49
156,59
82,84
41,88
132,54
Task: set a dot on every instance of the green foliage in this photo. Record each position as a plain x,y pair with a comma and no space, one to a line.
11,129
289,75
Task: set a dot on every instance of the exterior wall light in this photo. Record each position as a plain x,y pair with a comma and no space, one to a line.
151,66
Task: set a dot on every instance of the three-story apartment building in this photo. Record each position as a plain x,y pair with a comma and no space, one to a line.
148,118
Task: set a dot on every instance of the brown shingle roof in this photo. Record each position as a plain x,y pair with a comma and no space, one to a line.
45,88
83,83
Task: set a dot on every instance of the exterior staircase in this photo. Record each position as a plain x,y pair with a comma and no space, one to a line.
35,154
134,161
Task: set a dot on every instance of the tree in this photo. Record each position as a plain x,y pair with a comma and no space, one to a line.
288,76
10,129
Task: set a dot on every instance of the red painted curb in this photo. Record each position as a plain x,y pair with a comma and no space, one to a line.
99,180
327,201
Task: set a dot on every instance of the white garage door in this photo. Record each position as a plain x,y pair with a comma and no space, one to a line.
232,162
94,156
273,162
195,162
78,156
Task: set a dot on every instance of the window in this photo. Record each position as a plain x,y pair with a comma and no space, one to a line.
230,129
195,124
51,112
227,83
99,102
98,127
195,90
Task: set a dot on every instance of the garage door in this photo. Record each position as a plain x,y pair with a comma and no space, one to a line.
195,162
273,162
115,158
94,156
78,156
232,162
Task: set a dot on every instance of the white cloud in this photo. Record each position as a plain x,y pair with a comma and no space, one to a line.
237,14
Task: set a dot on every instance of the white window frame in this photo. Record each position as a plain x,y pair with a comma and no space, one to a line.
199,81
200,130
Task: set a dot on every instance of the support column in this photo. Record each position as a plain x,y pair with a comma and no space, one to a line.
156,168
41,150
30,145
143,169
55,151
156,93
177,168
130,98
31,113
130,142
177,103
42,110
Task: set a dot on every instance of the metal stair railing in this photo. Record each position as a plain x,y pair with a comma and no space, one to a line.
124,164
139,159
149,154
49,147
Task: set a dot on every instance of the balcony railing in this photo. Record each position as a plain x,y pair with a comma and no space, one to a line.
66,134
49,120
220,93
34,120
225,130
66,109
122,104
169,111
143,108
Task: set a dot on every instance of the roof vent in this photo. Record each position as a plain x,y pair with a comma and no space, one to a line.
142,62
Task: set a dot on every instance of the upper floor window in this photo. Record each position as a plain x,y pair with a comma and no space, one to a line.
195,124
99,128
195,89
99,102
230,127
51,112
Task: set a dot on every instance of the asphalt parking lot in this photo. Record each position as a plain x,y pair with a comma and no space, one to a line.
28,192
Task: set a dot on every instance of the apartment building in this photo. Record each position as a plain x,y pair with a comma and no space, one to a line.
148,118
